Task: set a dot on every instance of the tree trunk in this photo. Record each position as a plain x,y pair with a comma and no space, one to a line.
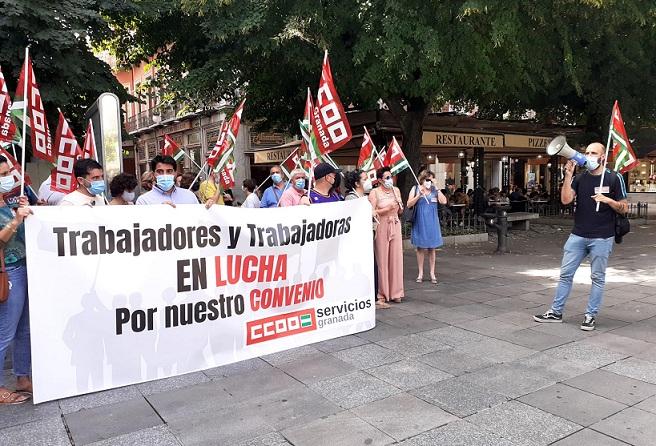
410,114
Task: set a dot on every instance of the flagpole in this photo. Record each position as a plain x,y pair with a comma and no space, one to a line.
603,172
202,169
288,180
25,85
262,183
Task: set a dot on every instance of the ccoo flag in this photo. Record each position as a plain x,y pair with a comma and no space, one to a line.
88,149
367,152
62,178
331,126
36,115
623,154
7,126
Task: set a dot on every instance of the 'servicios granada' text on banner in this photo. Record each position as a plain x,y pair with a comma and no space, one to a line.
126,294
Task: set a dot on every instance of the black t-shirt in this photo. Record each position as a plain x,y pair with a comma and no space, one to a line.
588,222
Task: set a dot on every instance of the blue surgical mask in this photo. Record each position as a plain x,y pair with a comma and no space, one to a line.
7,183
165,182
277,178
300,183
96,187
591,162
128,196
388,183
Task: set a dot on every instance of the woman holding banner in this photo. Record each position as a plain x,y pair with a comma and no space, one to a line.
386,201
426,233
14,315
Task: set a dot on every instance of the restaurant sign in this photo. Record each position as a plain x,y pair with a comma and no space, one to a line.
275,156
527,141
447,139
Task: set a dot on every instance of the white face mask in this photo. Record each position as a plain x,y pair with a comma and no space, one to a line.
128,196
367,186
592,162
389,183
428,184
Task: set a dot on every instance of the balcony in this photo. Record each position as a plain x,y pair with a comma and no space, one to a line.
151,117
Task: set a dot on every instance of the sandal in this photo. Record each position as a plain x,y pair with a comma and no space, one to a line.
419,279
434,280
397,300
382,305
10,398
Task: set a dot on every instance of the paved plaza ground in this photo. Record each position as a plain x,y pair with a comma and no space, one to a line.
460,363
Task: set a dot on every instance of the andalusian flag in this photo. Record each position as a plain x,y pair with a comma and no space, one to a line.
171,148
395,159
367,152
623,154
222,158
309,147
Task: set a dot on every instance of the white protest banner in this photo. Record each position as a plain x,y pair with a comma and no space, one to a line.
126,294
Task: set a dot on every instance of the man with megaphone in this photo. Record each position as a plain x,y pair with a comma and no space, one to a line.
594,228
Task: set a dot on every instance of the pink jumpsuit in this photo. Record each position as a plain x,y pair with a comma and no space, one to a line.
388,245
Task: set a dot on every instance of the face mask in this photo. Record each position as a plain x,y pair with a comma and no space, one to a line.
367,186
165,182
7,183
300,184
592,162
128,196
96,187
388,183
277,178
428,184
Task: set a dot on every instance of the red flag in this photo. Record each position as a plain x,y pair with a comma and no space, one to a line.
367,151
623,154
331,127
40,133
224,160
88,149
7,126
214,154
170,146
379,159
62,178
395,159
15,170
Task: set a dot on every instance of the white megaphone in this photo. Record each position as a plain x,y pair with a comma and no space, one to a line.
558,146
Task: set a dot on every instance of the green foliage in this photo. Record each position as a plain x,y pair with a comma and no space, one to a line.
60,35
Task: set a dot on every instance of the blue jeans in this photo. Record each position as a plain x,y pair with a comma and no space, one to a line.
576,249
15,323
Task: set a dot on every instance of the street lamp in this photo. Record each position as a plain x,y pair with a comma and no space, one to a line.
461,154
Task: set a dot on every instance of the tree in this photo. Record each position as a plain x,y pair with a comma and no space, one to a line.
562,59
61,35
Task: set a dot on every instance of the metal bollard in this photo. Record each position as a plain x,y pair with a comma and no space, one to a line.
500,223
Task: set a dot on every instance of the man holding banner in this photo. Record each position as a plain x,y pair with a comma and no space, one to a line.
91,185
593,233
164,191
273,193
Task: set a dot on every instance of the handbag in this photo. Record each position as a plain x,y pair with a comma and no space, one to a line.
410,214
622,227
4,279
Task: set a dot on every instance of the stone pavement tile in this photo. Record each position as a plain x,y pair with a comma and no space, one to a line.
272,439
191,400
523,424
353,390
419,306
412,345
293,354
613,386
342,429
477,296
621,344
416,323
487,326
631,311
450,316
521,318
512,304
587,437
633,426
408,374
392,313
175,382
444,299
96,399
455,362
104,422
495,350
648,299
533,339
480,310
459,397
511,380
572,404
648,355
341,343
27,412
402,416
648,405
381,331
635,368
46,431
634,290
570,329
236,368
543,297
556,369
257,383
317,367
458,433
154,436
586,354
643,330
452,336
368,356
